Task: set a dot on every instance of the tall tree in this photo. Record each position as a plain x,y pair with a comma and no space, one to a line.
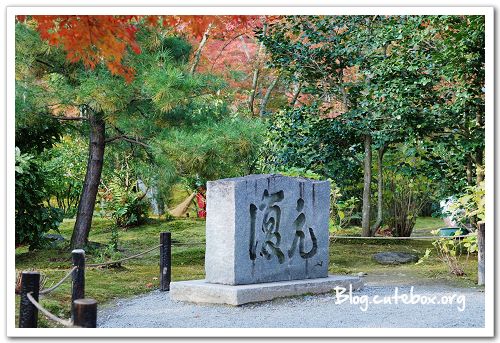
371,73
256,71
111,110
459,57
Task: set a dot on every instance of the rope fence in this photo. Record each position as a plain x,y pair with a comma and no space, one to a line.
83,310
140,254
123,259
48,290
64,322
399,238
187,244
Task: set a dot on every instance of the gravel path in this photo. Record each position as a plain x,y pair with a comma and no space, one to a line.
156,310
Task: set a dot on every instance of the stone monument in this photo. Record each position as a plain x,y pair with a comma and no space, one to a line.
266,236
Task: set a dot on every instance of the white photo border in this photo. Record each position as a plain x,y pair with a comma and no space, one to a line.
12,331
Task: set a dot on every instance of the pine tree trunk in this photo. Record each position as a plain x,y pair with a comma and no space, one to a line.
367,166
92,178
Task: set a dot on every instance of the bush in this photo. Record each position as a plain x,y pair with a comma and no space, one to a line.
64,167
407,189
33,218
469,207
404,199
449,250
133,212
124,204
302,138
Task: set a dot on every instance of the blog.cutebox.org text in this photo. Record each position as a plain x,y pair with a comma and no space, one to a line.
345,296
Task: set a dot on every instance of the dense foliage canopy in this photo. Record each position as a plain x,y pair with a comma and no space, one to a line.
112,112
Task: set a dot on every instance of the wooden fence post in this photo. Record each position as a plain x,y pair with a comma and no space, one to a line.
78,283
480,253
85,313
165,260
28,313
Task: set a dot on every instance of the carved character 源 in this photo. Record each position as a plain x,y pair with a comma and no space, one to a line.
271,214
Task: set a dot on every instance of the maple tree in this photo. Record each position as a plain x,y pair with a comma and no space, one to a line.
241,59
232,49
97,49
107,38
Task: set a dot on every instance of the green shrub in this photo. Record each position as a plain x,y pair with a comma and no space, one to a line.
33,218
64,167
406,190
469,208
124,204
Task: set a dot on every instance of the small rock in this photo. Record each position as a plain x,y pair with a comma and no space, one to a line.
54,240
394,257
361,274
54,237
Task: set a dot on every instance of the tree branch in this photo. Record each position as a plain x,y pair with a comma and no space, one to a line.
45,63
239,35
197,54
296,93
127,139
68,118
265,100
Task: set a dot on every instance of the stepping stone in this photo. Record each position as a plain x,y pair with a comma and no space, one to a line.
394,257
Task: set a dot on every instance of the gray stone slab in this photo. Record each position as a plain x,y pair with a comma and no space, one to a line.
394,257
200,291
266,228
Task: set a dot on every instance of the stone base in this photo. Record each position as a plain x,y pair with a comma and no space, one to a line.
200,291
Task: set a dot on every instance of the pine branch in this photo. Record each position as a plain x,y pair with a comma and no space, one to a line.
46,64
68,118
127,139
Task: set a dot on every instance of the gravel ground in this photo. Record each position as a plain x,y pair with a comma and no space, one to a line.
156,310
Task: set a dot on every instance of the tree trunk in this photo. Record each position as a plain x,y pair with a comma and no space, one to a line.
367,166
468,171
380,189
92,178
480,253
479,165
265,100
244,47
197,54
296,93
256,73
479,151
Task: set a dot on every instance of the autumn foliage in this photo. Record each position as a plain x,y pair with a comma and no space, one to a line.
107,38
91,39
